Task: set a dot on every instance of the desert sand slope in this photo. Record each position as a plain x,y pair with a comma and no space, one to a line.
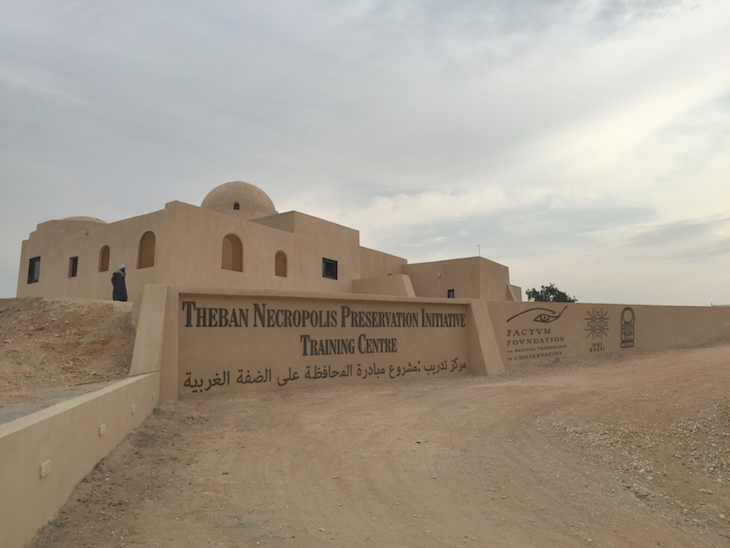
54,349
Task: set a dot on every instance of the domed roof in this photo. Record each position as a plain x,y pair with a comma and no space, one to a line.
240,199
69,225
85,220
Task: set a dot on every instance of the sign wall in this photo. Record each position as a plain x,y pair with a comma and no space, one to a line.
230,343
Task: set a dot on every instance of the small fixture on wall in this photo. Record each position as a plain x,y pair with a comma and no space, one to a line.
73,267
45,468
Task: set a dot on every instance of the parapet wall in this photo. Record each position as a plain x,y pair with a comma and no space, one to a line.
43,456
228,340
539,331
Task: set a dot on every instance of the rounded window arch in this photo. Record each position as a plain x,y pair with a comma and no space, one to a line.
146,254
232,255
280,264
236,206
104,259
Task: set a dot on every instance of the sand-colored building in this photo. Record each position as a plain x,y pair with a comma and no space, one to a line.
237,240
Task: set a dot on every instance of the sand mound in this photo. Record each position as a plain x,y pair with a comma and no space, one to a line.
49,345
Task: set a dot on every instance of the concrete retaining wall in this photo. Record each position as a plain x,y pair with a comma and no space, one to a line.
44,455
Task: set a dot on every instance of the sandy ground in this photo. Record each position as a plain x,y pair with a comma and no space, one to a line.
631,451
49,347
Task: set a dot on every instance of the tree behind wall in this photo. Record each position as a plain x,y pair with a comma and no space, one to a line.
549,293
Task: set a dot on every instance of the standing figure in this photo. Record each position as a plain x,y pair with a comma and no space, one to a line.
120,287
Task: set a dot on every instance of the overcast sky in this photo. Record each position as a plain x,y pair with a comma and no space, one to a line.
581,143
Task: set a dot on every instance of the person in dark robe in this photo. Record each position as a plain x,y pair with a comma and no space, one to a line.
120,287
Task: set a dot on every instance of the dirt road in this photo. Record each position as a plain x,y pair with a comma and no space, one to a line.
627,452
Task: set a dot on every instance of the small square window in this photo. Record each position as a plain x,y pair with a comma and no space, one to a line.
34,270
329,269
73,267
449,293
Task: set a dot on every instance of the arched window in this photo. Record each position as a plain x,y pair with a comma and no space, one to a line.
104,259
280,264
232,256
236,206
146,255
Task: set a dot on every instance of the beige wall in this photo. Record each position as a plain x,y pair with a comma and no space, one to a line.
470,278
392,284
282,221
55,246
302,341
196,255
188,252
494,282
375,263
436,278
66,438
164,343
545,331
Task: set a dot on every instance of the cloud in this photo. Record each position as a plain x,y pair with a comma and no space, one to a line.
533,128
688,240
